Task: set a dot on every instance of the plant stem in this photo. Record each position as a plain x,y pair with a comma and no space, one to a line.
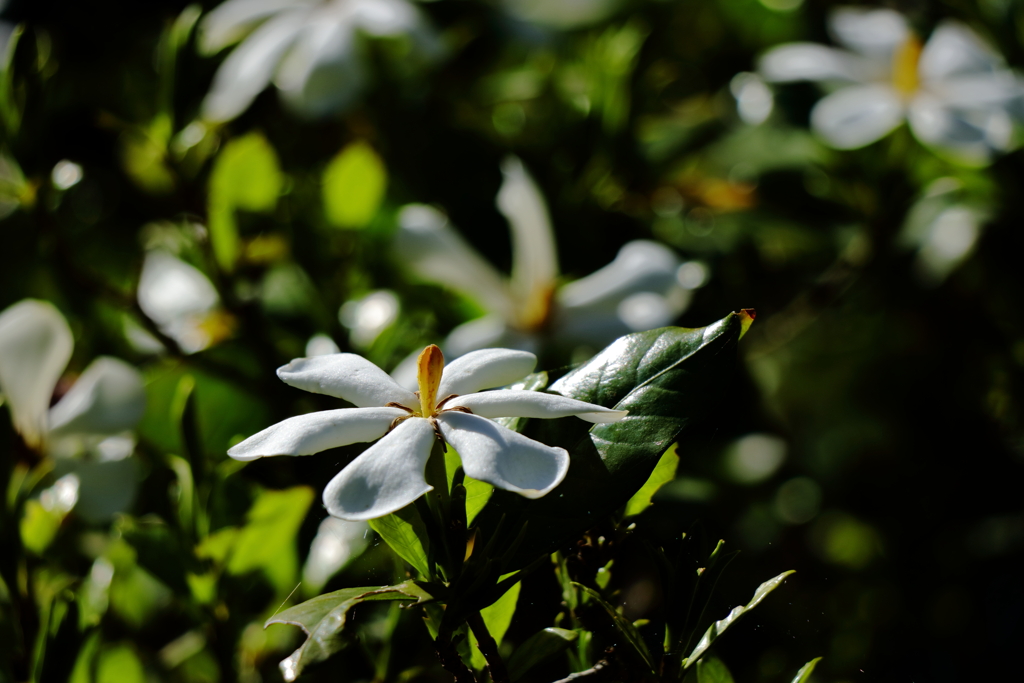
601,671
489,648
449,655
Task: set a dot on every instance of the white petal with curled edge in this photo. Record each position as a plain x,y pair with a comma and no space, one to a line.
107,399
857,116
875,32
808,62
504,458
249,68
485,369
428,245
640,265
315,432
534,259
955,50
229,21
347,376
35,347
386,477
534,404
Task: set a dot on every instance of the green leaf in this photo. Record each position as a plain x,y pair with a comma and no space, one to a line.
246,175
804,674
119,664
39,526
625,627
354,184
406,534
664,472
718,628
82,672
267,541
10,109
497,618
324,618
668,379
713,670
537,648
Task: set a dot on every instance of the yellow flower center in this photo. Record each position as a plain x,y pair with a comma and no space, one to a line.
904,66
429,367
535,312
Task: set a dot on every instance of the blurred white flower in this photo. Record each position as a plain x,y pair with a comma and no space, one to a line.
754,99
337,542
942,227
86,431
310,49
449,406
562,14
639,290
180,299
955,92
368,316
321,345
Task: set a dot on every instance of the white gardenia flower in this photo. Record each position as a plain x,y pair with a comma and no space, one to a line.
310,49
637,291
955,92
91,420
448,406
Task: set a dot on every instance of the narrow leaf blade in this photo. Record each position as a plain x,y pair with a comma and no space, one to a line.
624,626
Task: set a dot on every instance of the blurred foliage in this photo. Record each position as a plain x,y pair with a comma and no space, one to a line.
872,438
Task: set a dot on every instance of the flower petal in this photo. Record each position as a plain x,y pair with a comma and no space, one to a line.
534,258
386,477
857,116
875,32
178,297
249,68
970,133
534,404
485,369
504,458
35,346
808,62
490,331
640,266
315,432
228,22
347,376
434,251
955,50
107,399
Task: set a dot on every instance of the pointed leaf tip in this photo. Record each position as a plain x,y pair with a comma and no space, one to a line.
747,316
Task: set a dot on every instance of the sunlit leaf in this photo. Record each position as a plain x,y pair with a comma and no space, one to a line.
82,672
39,526
537,648
624,626
804,674
405,533
664,472
119,664
353,186
497,618
324,618
719,627
713,670
667,379
267,541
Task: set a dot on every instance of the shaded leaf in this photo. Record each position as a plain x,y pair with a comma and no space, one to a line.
354,184
624,626
406,534
664,472
718,628
804,674
323,619
537,648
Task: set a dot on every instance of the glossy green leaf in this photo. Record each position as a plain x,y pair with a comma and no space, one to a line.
406,534
667,379
537,648
324,618
246,175
267,541
718,628
354,184
497,617
664,472
624,626
713,670
804,674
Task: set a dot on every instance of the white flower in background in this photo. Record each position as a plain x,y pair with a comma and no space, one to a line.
390,474
337,542
562,14
639,290
310,49
86,431
368,316
181,300
942,227
955,92
321,345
